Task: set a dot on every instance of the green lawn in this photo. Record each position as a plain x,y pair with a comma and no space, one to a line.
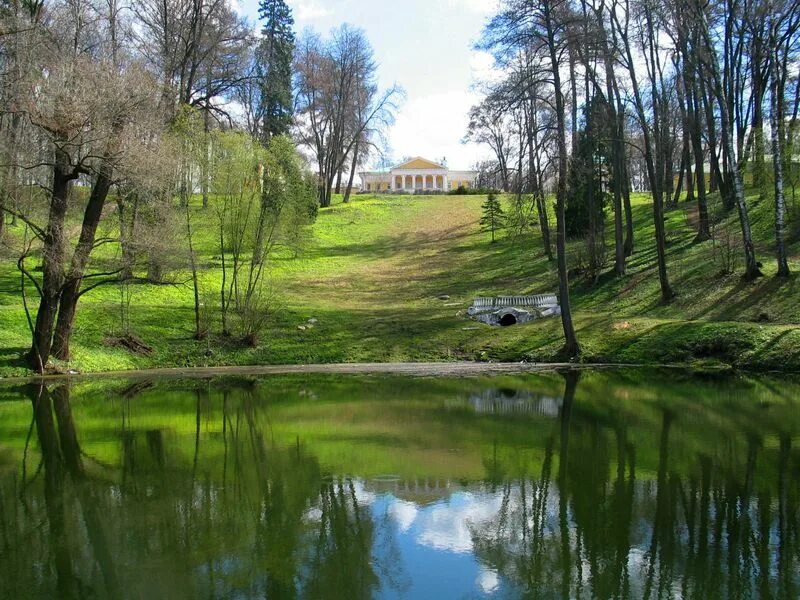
374,268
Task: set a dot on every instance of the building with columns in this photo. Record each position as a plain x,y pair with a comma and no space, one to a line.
417,175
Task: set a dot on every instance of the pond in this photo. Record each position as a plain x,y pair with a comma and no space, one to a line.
603,484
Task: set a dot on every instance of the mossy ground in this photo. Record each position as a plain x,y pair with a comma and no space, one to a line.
373,270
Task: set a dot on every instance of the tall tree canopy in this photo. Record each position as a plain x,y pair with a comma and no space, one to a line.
274,68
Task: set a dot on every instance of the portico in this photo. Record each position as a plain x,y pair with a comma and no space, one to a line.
417,175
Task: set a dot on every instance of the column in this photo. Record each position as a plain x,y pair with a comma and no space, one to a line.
444,183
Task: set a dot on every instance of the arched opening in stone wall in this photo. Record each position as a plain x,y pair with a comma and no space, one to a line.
508,319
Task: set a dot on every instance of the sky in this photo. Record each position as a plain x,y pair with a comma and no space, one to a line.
425,46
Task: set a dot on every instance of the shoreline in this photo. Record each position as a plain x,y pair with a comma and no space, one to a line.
408,369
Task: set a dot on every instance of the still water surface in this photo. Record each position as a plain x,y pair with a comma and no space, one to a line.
603,485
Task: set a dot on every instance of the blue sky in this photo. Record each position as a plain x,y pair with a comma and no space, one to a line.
426,47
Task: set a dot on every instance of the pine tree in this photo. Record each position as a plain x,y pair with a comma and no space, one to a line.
493,217
274,67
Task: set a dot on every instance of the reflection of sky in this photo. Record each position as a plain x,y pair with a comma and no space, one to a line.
431,546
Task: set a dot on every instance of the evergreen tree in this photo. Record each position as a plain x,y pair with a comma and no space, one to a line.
274,67
588,177
493,217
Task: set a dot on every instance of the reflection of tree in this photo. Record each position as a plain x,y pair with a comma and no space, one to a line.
287,482
54,473
716,531
61,458
571,382
788,530
340,565
204,495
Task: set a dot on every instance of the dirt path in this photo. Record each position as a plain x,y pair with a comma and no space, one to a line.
412,369
426,238
692,212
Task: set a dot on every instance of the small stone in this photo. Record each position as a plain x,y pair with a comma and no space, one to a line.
313,321
301,327
443,297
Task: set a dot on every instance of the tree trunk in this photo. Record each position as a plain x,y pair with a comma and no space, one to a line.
652,144
626,204
68,303
681,174
717,180
668,172
685,173
53,259
573,86
696,138
617,151
571,347
127,232
339,182
751,264
205,164
535,184
544,224
353,165
758,91
776,117
199,334
3,196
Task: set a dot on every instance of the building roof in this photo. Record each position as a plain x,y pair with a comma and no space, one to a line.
419,163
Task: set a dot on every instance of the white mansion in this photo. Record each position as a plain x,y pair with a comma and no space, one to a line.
417,174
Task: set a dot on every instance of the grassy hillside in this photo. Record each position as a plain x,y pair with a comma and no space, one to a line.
372,273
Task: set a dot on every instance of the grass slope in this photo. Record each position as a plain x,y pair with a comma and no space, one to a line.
374,268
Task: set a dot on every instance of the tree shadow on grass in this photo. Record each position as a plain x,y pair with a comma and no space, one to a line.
769,293
12,359
790,357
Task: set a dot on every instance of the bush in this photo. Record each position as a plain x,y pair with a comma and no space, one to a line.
462,191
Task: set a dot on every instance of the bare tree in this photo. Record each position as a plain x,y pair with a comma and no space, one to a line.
338,101
541,26
488,124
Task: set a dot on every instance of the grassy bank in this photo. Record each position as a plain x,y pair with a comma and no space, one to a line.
373,271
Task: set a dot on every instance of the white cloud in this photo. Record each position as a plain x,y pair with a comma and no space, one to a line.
310,10
481,7
433,126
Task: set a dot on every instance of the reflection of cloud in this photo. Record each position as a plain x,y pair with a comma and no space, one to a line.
363,496
403,513
313,515
488,580
445,526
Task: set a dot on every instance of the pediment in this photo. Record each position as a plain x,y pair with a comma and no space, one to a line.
419,163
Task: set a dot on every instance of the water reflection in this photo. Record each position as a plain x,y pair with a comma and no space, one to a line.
598,486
